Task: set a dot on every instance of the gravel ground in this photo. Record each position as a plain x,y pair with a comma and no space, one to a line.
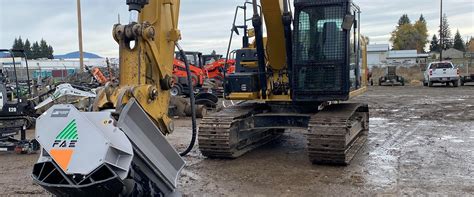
420,143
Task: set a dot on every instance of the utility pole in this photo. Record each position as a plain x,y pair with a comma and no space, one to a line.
79,30
441,40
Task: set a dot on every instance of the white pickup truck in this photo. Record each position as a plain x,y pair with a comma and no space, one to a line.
441,72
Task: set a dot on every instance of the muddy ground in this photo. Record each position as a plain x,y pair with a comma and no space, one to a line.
421,142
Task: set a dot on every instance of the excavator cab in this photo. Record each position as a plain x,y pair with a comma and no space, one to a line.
326,44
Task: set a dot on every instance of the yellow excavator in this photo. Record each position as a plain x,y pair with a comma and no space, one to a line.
299,75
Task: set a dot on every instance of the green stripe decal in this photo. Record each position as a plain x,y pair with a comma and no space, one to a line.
69,132
66,131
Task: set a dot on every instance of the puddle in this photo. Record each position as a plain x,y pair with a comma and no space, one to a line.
378,119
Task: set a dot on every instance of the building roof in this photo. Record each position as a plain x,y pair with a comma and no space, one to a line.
453,54
378,48
402,54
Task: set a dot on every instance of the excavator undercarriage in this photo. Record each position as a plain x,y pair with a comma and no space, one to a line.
334,134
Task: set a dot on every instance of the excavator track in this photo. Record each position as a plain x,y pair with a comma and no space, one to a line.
229,134
337,133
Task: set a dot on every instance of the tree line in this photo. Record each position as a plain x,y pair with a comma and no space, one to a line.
36,50
408,36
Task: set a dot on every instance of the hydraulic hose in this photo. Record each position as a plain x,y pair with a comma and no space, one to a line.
191,99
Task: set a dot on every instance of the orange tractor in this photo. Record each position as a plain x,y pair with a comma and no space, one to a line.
203,68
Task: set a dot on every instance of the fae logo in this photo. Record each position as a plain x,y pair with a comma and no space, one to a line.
63,146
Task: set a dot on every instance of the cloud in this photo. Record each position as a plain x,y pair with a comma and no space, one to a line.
205,24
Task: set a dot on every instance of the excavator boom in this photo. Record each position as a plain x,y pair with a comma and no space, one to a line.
120,148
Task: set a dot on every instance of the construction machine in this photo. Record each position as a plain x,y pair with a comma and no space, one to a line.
293,78
180,85
97,75
17,111
298,77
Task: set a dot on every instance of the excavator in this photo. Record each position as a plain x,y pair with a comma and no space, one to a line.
299,76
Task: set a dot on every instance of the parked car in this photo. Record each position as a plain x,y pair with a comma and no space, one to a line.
441,72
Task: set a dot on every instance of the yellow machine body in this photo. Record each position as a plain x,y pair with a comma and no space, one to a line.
146,62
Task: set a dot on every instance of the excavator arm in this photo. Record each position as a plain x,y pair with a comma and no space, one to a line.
119,149
146,49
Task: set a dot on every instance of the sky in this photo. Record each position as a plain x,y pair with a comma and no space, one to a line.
205,24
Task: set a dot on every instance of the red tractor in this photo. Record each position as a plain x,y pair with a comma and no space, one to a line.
180,75
215,70
203,67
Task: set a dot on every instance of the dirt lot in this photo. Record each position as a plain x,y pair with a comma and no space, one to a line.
420,143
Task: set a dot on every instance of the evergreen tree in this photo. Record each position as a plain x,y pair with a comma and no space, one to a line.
434,47
27,49
21,45
458,42
35,51
50,52
43,49
18,45
445,34
422,19
15,44
404,20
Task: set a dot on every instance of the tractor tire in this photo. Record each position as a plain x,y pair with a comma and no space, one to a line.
176,90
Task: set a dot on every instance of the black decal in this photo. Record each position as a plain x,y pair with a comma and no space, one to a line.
63,144
56,142
72,144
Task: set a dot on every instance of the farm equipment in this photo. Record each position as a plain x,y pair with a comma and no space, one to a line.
180,85
17,113
207,73
391,78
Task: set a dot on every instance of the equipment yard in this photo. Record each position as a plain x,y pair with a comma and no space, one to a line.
420,143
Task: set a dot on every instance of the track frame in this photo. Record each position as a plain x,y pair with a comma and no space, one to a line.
335,132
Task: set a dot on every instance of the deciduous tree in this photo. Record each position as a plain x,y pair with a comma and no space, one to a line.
422,36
